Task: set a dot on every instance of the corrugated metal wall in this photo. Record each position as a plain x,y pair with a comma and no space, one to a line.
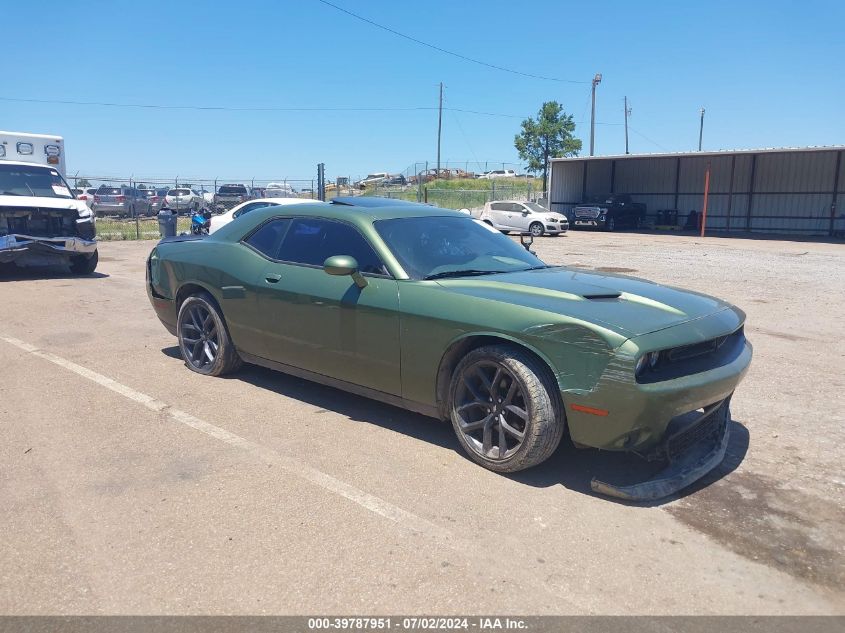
789,192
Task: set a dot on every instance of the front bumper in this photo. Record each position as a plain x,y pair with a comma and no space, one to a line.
588,223
692,451
17,247
633,416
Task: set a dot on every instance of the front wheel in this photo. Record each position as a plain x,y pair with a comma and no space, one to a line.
84,264
536,229
611,224
203,337
505,408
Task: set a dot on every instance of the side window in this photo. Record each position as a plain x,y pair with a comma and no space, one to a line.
498,206
516,207
266,239
312,240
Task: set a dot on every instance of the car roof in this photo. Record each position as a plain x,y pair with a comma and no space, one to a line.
312,208
282,202
27,164
371,202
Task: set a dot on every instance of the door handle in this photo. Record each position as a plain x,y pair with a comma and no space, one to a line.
272,278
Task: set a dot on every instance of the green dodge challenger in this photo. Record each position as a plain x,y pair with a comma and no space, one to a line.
433,311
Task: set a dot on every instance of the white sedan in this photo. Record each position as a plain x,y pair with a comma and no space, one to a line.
243,208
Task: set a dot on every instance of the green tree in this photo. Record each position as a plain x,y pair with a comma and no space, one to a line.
547,136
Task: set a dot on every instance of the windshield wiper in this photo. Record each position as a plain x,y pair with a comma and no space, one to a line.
8,193
463,273
538,267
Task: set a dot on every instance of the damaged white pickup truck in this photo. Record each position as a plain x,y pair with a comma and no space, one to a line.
41,223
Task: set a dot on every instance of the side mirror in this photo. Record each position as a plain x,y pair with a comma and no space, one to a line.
526,239
344,265
525,214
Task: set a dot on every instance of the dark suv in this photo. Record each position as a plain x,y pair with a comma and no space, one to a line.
608,211
228,196
120,201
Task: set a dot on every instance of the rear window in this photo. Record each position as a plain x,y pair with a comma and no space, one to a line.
237,189
109,191
179,192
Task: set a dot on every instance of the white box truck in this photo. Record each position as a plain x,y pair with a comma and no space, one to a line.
44,149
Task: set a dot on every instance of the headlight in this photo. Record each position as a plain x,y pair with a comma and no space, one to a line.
649,361
642,364
653,359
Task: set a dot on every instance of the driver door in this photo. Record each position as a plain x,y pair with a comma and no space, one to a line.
322,323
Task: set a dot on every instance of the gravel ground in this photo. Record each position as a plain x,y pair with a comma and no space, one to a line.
131,485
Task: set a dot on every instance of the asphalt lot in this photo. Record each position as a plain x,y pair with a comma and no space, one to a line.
132,485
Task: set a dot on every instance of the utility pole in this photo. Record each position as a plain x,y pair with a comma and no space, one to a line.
701,129
627,114
439,128
596,82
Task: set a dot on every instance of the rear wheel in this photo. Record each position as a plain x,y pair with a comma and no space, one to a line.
536,229
505,408
203,337
84,264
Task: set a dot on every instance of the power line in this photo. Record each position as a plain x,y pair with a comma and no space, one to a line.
447,52
648,139
213,108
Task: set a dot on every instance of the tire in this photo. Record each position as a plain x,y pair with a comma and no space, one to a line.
536,229
610,225
203,337
524,380
84,264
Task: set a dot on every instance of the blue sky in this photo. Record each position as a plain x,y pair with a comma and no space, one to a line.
769,73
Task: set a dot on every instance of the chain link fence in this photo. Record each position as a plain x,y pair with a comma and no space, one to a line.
127,208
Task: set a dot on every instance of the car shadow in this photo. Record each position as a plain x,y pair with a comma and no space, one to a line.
575,468
44,272
356,408
570,467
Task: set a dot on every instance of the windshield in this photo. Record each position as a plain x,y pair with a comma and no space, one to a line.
232,189
536,208
431,246
23,180
601,198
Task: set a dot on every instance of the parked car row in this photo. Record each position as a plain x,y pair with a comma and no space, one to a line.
383,179
128,201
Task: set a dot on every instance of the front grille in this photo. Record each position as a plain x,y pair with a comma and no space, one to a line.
708,427
587,213
695,358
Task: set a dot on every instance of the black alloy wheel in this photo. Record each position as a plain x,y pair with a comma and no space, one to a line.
203,337
505,408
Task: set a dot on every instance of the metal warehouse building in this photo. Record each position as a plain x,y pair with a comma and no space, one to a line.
765,190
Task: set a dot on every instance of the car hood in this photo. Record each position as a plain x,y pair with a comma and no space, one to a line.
627,305
44,203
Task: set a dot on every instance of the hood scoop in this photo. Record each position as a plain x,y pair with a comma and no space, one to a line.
602,295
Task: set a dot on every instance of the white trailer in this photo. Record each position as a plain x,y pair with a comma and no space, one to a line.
45,149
